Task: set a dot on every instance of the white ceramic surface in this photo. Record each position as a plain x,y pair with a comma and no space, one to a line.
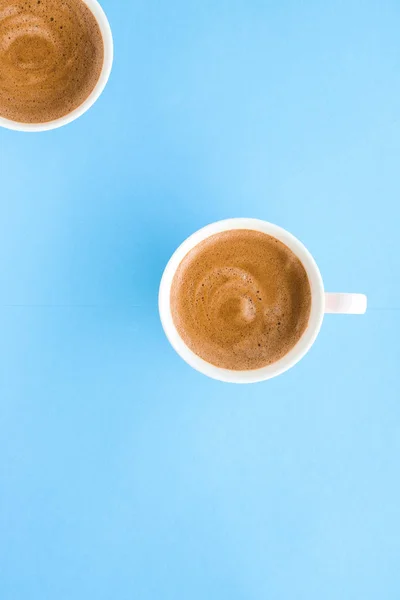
321,303
97,91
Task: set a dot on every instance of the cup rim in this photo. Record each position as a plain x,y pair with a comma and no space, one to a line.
106,33
301,347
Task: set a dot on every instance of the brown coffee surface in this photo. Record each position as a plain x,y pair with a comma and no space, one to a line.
51,57
241,299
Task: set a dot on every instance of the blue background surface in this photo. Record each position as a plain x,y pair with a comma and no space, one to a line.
125,474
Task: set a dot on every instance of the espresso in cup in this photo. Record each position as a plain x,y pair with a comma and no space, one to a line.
51,58
240,299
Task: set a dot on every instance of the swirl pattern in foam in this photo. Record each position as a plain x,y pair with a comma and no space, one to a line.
241,299
51,57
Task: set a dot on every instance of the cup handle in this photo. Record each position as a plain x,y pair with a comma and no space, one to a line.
345,304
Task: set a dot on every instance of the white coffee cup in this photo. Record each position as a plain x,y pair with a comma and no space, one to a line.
321,304
105,29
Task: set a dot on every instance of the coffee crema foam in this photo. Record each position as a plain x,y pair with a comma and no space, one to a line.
51,57
241,299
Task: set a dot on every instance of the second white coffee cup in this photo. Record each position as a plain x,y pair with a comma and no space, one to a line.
321,304
105,29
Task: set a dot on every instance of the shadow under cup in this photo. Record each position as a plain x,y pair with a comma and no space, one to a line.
301,347
108,45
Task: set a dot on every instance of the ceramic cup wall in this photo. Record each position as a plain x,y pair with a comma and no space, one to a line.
105,29
322,303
